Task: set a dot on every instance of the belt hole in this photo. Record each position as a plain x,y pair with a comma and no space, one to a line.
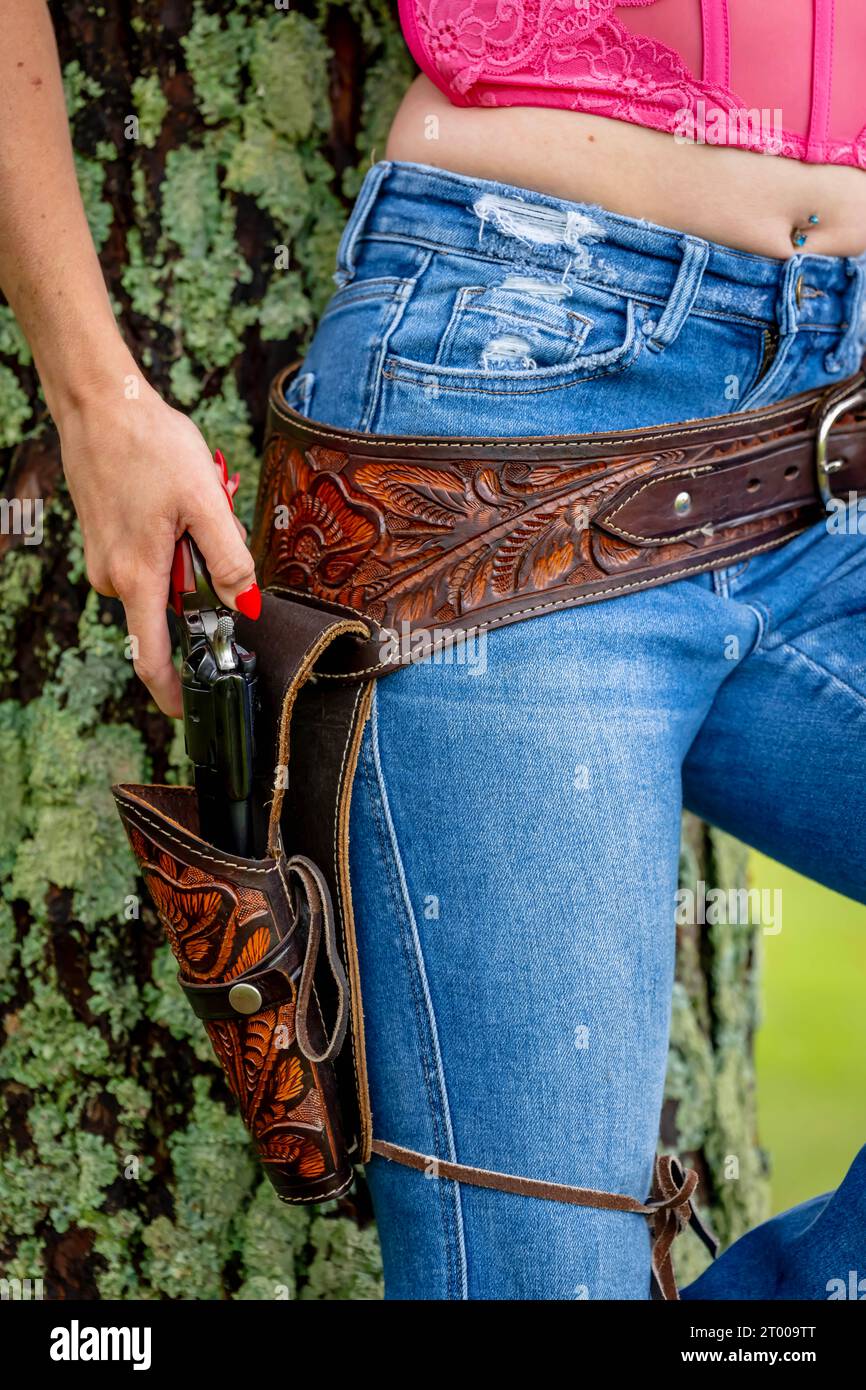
791,471
753,484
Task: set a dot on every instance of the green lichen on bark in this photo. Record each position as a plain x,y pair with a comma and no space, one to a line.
125,1171
710,1111
151,107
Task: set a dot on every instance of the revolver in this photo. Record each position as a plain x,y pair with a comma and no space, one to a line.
218,679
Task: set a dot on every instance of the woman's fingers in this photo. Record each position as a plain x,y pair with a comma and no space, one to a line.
147,624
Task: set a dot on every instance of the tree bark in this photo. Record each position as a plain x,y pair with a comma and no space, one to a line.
219,145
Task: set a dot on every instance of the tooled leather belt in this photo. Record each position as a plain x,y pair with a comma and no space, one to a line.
430,537
363,540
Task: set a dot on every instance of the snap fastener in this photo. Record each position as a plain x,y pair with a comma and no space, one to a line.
245,999
682,503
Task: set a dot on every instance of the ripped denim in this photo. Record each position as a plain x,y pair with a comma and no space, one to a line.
516,826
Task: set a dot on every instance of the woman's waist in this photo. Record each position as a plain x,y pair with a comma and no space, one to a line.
740,199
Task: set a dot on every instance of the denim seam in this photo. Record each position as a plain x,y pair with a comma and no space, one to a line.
836,357
425,1017
822,671
374,292
593,282
764,619
738,571
633,350
302,387
374,381
774,380
377,234
452,1246
354,227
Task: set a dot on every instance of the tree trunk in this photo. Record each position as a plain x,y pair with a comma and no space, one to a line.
219,145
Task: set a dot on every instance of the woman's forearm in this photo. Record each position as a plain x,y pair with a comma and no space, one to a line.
139,472
49,270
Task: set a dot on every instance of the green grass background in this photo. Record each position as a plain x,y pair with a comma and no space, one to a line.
811,1046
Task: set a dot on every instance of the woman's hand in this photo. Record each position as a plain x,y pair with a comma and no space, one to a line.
140,474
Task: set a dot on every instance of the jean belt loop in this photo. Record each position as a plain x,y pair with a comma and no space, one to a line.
846,355
369,191
684,293
788,301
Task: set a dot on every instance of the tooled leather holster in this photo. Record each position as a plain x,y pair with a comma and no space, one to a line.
377,551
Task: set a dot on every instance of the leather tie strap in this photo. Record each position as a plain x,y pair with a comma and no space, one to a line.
272,978
669,1208
321,917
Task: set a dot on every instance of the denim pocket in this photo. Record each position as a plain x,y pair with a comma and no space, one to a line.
507,340
507,327
379,290
345,356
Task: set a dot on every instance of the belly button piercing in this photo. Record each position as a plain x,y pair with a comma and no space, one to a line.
800,236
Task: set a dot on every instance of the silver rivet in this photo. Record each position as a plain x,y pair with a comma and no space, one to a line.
682,503
245,999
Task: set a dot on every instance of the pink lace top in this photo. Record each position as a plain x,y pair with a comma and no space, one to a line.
779,76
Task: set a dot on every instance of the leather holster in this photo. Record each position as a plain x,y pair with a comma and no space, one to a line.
256,939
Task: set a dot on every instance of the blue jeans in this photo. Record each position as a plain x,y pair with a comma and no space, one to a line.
516,821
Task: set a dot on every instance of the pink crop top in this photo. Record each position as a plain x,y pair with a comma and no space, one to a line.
783,77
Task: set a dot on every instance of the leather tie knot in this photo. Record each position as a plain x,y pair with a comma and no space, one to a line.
670,1211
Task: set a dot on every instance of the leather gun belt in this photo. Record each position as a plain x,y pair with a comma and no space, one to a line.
427,538
427,541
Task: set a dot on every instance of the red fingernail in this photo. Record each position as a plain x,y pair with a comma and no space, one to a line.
219,460
250,602
228,496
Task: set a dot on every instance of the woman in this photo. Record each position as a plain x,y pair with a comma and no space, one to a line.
589,217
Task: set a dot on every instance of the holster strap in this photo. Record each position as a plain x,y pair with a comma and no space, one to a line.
272,977
669,1207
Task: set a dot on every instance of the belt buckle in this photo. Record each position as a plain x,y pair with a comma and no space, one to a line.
824,466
